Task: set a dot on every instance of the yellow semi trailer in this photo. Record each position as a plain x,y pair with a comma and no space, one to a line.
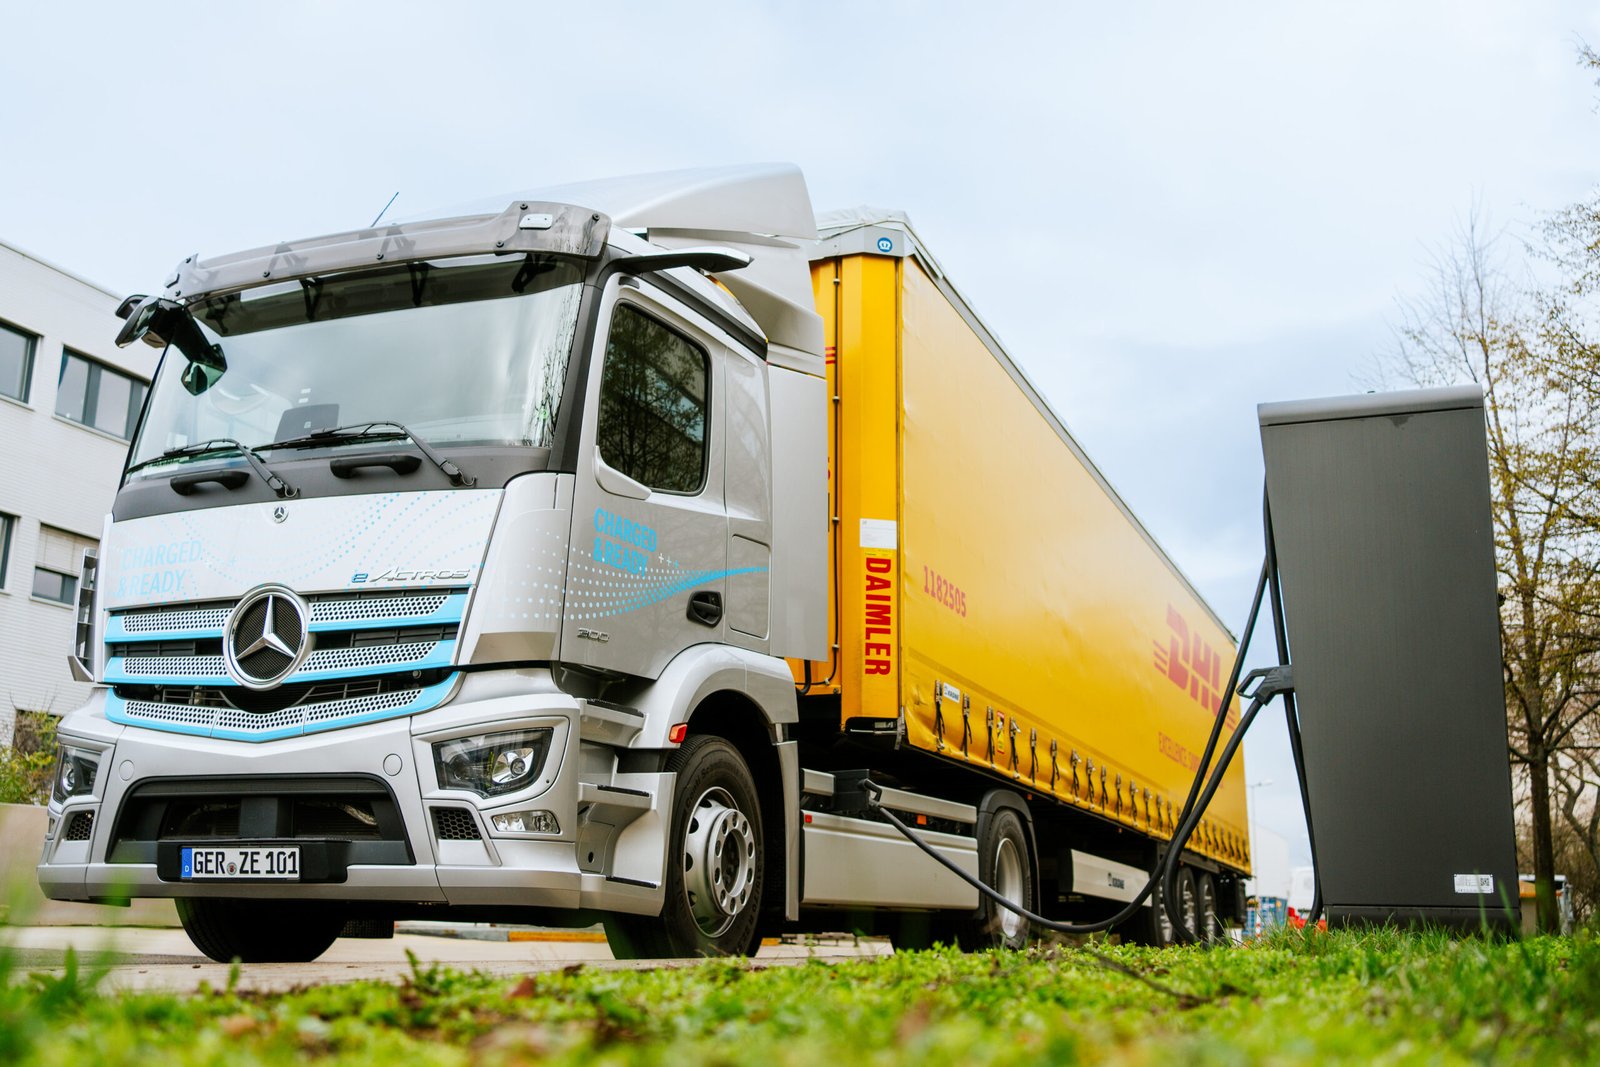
995,604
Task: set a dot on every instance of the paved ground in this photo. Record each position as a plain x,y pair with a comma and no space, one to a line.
164,959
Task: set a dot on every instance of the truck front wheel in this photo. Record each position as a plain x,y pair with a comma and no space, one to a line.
715,863
259,931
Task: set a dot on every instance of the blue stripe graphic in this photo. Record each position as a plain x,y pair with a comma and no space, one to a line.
634,599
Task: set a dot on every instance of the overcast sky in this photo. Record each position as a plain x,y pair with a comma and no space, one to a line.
1168,215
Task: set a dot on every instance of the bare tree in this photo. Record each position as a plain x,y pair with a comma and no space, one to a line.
1577,844
1568,307
1523,344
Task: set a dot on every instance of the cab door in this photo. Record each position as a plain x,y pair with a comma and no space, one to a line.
647,572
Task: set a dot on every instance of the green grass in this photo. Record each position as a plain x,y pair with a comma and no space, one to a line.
1380,997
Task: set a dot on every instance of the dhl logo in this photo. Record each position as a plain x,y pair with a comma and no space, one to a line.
1192,665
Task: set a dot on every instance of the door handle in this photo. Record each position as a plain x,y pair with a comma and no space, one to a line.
705,608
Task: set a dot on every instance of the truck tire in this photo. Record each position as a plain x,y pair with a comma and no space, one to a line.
1210,928
259,931
1151,926
1004,864
715,866
1188,899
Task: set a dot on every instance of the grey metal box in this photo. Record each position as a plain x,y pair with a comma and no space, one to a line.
1380,512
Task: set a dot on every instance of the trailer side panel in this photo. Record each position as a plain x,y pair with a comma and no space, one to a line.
1027,607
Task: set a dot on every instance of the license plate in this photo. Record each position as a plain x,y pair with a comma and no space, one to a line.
202,863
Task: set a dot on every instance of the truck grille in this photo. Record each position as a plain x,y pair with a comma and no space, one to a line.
333,607
332,654
368,607
320,707
373,656
285,696
176,620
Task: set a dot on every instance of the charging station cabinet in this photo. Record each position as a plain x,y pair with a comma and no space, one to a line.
1379,508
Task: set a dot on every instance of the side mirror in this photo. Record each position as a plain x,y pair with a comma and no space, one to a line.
140,316
160,322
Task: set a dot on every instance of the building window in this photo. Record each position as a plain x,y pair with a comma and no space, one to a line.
16,362
7,524
652,422
95,395
60,561
53,585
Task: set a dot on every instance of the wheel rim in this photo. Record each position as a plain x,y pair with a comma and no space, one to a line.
719,861
1158,901
1009,884
1186,905
1207,928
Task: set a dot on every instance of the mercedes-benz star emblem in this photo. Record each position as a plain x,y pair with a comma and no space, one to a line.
280,513
267,637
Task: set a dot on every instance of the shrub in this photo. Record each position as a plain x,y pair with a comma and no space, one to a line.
35,732
25,767
25,776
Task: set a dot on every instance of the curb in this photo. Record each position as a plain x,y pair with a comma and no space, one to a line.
502,933
513,933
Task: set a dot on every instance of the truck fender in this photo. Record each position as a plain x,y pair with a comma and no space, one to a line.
701,670
997,799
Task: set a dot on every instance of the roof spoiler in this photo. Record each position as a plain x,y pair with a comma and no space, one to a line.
526,226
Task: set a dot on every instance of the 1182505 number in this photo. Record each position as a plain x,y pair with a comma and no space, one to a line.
944,591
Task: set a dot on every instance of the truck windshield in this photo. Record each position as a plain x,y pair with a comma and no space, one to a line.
465,352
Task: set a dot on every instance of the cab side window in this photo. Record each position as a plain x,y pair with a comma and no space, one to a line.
653,393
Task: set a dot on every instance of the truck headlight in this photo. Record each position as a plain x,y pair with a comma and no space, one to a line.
492,764
76,769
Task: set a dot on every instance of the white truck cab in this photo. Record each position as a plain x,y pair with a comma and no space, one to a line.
432,539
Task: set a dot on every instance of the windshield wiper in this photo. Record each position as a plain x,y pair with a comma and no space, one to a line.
376,431
225,444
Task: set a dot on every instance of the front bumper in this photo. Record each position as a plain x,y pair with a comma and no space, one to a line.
604,857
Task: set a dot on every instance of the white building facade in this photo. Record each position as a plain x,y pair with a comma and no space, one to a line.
69,399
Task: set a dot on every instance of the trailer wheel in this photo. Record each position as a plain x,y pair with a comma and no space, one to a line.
1210,924
1151,926
1005,866
1188,900
259,931
715,863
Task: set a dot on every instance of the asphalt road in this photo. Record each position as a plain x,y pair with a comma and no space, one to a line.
164,959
